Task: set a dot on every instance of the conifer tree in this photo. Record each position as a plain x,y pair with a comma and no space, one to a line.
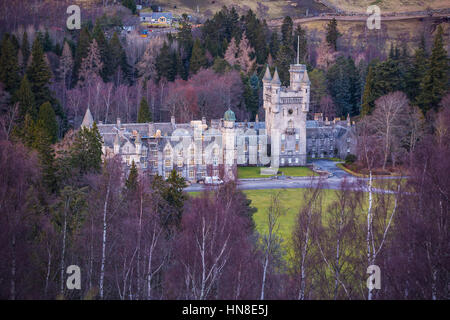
174,194
198,58
245,53
103,47
25,98
39,74
91,65
82,49
284,59
274,44
368,99
9,67
286,31
164,64
132,180
332,34
144,114
416,72
300,33
47,122
436,79
184,35
25,47
48,44
231,53
86,151
118,57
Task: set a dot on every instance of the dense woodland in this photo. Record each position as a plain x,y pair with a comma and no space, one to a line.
140,237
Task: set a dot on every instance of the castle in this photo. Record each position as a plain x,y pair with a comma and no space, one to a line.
198,149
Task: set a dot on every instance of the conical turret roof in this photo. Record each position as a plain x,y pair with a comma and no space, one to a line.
267,75
306,77
276,78
88,120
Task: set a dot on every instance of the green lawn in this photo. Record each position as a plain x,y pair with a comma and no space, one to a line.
255,172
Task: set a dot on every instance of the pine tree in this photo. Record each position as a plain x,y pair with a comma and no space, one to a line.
132,181
48,44
436,79
164,64
9,67
303,43
144,114
25,47
82,49
25,98
91,65
230,54
184,35
174,194
42,144
416,72
39,74
256,34
66,65
284,59
103,47
368,99
251,95
198,58
86,151
47,122
274,44
332,34
130,4
118,57
245,53
286,31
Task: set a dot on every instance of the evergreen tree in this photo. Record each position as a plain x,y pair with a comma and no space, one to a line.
86,151
47,44
132,180
256,33
25,47
416,73
130,4
82,49
198,58
144,114
42,142
9,67
47,122
164,64
173,193
274,44
39,74
300,33
369,97
284,59
103,47
286,31
65,65
118,57
184,35
435,82
25,98
332,34
251,95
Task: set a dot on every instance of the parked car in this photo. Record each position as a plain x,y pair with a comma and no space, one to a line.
213,180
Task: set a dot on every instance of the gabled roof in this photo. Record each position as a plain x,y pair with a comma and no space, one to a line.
157,15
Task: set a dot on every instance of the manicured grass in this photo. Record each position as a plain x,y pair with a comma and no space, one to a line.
255,172
250,172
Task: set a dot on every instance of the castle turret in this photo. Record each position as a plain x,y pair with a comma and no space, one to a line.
88,120
305,87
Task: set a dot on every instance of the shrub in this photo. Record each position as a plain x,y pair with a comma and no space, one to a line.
350,158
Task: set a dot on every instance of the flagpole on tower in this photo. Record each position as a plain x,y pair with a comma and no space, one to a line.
298,50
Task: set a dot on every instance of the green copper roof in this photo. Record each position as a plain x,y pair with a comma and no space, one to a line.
229,115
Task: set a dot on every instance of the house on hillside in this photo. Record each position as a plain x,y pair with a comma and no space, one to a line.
164,18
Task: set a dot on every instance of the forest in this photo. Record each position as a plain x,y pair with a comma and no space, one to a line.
137,236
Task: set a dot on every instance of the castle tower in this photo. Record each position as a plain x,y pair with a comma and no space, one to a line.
286,109
229,144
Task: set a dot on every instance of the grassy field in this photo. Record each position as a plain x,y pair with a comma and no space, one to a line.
255,172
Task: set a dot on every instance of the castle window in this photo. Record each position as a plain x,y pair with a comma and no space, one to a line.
180,152
168,153
297,147
282,160
245,147
144,152
282,148
215,151
144,165
291,123
167,174
259,147
192,151
297,136
191,162
191,174
168,163
215,161
283,137
216,173
180,162
296,160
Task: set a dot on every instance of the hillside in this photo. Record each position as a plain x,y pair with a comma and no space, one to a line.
387,6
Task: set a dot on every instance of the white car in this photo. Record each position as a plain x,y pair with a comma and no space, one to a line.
213,180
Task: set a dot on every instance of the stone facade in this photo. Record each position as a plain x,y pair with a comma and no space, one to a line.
198,149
